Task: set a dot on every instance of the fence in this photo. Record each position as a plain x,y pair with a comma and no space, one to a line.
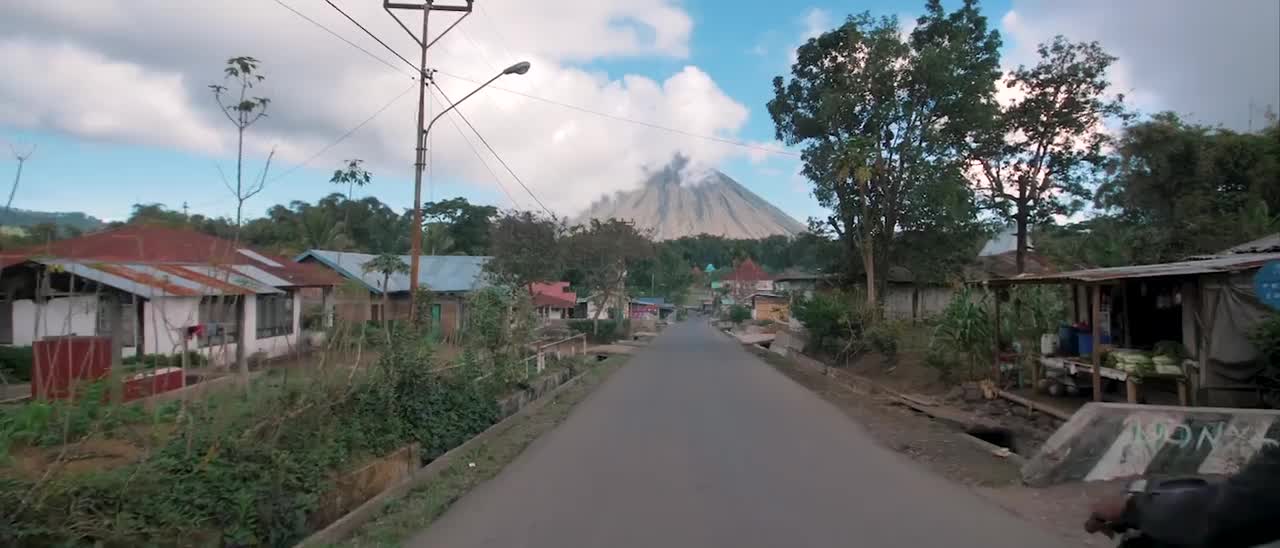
538,361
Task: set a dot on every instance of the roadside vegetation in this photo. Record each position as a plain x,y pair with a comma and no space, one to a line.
258,467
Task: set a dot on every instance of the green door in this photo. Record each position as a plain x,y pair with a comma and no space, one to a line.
436,327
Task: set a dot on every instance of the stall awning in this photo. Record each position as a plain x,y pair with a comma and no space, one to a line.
1209,265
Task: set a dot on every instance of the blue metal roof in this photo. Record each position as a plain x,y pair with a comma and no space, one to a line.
439,273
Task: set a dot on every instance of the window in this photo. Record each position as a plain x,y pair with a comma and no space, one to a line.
375,312
218,315
275,315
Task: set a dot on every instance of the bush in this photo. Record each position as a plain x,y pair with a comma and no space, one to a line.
836,322
882,337
155,361
1266,339
610,330
243,471
963,332
739,313
16,363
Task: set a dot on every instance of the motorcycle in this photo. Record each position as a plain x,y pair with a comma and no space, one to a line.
1128,534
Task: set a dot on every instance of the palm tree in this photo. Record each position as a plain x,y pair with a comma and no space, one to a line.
387,264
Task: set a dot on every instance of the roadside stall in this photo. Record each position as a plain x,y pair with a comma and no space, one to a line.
1182,325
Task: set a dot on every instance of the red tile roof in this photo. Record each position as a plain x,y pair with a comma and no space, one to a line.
156,244
553,294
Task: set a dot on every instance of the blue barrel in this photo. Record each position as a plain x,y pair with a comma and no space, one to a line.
1084,343
1066,341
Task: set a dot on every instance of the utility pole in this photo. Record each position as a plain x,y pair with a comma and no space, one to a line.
185,207
420,135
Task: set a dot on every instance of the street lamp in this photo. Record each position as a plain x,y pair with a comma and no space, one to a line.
415,234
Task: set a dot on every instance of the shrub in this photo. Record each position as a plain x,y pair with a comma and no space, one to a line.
155,361
739,313
836,322
882,337
1266,339
963,331
16,362
610,330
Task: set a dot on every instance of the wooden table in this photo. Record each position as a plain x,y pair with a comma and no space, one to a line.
1072,366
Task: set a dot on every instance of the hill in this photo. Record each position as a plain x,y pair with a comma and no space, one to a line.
74,219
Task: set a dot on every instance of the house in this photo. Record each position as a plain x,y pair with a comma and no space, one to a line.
770,307
176,289
449,278
1209,304
747,278
553,300
799,283
647,308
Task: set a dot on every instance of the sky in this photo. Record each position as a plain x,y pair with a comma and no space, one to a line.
113,95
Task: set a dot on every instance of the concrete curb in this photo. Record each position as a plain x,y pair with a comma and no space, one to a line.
344,526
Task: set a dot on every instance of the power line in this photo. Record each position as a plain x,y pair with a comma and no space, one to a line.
486,144
496,179
339,36
371,34
535,97
344,135
629,120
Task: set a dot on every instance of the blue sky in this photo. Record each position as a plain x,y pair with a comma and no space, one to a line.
104,166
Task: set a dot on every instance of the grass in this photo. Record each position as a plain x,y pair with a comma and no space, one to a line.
416,511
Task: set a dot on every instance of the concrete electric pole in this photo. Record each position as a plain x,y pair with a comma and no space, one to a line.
420,158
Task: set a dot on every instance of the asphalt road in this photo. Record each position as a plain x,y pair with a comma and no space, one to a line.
696,442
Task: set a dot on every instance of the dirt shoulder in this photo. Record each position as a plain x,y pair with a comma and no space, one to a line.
943,449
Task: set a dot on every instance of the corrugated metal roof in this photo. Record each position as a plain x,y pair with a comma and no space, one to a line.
440,273
1210,265
160,245
150,281
261,275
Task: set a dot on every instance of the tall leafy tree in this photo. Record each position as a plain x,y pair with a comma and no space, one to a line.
603,252
1036,158
880,114
467,225
526,248
1183,189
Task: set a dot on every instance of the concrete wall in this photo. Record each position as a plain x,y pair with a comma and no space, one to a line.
165,321
58,317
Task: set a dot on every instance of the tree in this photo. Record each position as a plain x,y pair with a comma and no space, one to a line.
386,264
880,115
1041,148
1182,189
603,252
525,248
467,225
17,177
244,112
355,175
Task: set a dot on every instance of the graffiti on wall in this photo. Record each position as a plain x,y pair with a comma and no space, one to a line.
1197,437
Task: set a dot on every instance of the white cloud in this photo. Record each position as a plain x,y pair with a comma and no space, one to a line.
65,88
1207,60
136,71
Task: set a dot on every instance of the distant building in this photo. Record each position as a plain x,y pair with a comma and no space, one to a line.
553,300
449,278
770,307
747,278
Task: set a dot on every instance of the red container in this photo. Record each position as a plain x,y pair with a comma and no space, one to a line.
149,383
61,362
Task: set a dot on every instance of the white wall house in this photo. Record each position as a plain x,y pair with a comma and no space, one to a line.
168,281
